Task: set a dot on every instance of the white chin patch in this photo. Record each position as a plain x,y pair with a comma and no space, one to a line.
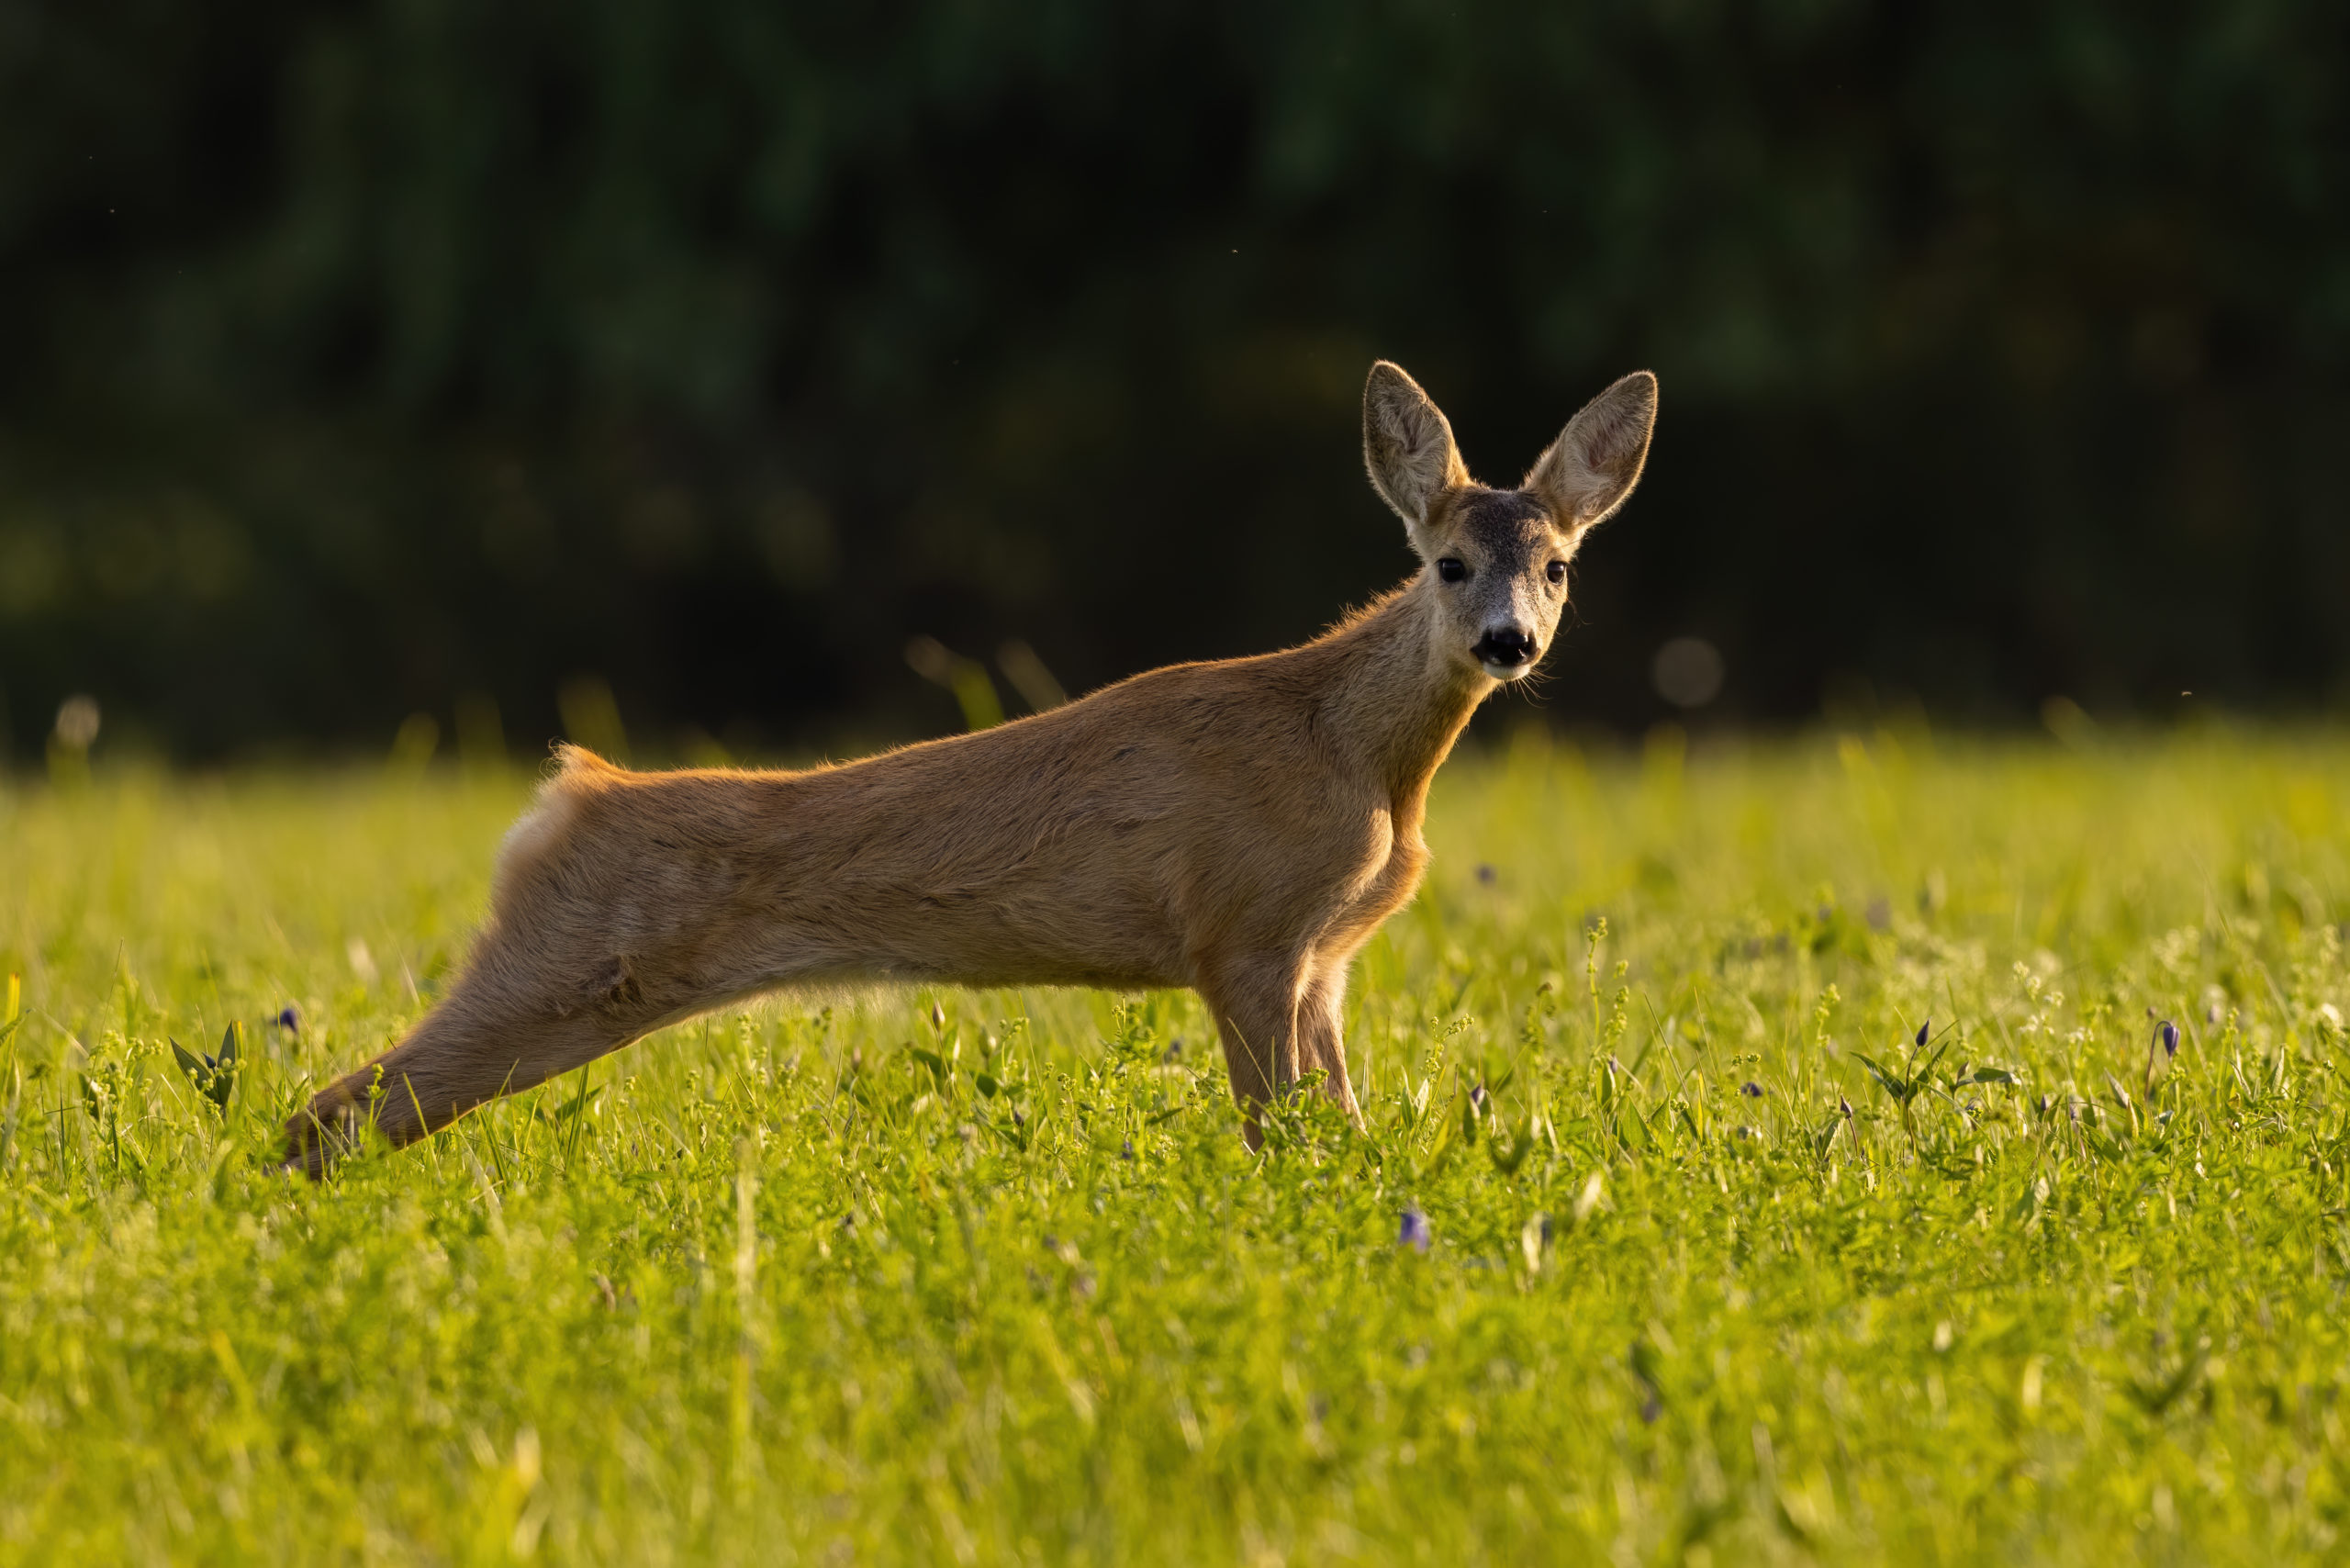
1509,672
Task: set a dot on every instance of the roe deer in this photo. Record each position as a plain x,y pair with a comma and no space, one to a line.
1239,827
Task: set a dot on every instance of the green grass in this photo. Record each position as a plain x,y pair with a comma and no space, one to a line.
849,1286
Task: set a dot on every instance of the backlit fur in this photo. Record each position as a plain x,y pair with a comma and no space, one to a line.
1238,827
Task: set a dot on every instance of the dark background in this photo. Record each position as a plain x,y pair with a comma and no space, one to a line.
358,359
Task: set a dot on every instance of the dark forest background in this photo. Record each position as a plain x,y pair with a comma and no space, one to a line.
361,360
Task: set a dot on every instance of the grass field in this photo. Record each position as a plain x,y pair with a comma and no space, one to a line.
1688,1279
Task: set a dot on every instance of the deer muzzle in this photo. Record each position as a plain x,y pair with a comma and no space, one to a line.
1505,651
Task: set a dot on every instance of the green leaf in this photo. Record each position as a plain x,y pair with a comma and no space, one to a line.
1941,1049
196,1067
1898,1088
578,1102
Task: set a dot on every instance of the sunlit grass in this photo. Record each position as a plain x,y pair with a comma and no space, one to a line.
854,1285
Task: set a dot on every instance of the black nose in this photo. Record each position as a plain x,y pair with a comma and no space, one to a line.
1507,647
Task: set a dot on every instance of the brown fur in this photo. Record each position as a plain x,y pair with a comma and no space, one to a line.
1239,827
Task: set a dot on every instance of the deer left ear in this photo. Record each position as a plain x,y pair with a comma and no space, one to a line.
1590,470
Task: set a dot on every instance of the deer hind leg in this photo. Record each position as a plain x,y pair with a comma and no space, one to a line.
598,935
504,1028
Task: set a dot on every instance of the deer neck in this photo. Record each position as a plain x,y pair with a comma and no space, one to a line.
1397,701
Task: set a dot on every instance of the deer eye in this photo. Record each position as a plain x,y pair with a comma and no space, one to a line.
1557,573
1450,569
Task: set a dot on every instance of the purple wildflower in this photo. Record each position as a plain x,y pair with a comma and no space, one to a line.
1416,1234
288,1020
1487,875
1923,1029
1751,1088
2170,1038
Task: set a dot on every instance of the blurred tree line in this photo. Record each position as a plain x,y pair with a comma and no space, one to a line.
365,359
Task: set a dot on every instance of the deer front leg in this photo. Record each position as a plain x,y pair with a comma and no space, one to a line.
1321,1009
1255,1004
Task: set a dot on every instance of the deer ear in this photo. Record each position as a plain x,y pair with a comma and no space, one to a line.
1407,446
1590,470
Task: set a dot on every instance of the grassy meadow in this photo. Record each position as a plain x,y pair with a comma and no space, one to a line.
1666,1242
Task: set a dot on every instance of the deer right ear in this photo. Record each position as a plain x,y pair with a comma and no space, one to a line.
1407,446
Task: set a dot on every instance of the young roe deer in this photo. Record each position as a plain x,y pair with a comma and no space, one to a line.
1239,827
